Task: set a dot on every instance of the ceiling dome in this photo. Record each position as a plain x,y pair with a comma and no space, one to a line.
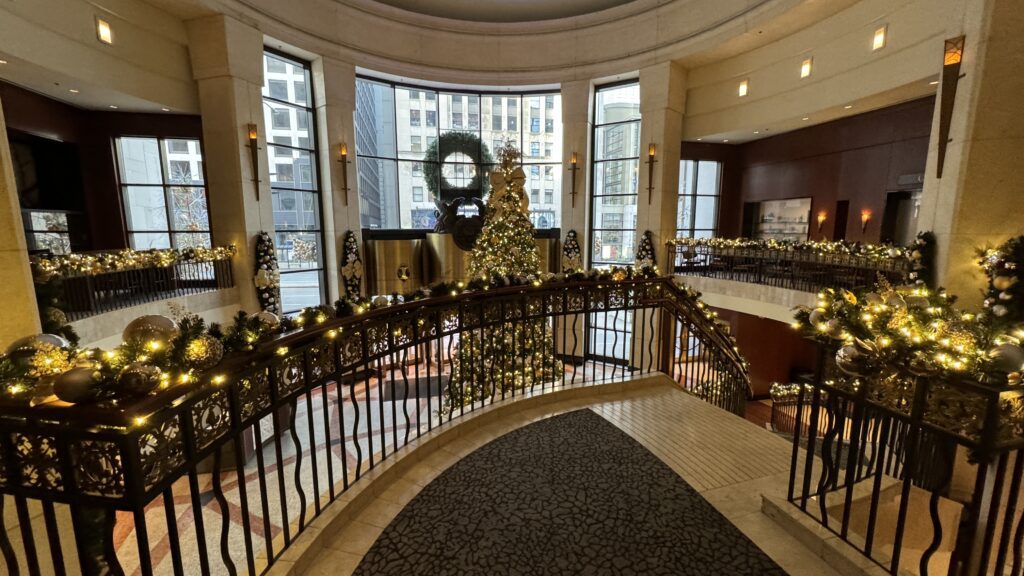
504,10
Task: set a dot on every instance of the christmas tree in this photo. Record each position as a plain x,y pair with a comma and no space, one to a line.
508,356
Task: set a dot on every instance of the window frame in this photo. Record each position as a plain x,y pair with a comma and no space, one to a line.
123,186
507,107
316,189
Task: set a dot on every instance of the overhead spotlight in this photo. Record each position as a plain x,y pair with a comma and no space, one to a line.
848,106
2,62
104,33
113,107
934,82
742,90
805,68
757,131
806,118
165,109
878,42
726,140
699,139
73,90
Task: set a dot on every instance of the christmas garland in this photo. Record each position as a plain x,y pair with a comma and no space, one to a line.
870,251
268,277
46,267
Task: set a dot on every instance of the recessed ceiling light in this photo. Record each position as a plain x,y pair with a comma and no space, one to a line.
726,140
699,139
166,109
848,106
743,88
805,67
104,33
3,62
757,131
73,90
878,41
113,107
934,82
806,118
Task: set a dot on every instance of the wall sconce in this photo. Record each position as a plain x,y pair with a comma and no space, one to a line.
822,216
104,33
651,150
865,217
743,88
573,168
952,54
344,161
878,41
254,157
805,67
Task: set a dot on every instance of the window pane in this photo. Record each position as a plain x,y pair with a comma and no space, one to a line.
617,141
55,242
704,212
618,104
378,193
150,241
139,161
295,210
285,80
144,208
184,162
616,177
298,250
707,178
182,240
409,182
300,289
612,247
375,119
188,209
291,169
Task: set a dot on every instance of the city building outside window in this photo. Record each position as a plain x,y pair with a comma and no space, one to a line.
164,192
294,181
615,174
699,191
392,191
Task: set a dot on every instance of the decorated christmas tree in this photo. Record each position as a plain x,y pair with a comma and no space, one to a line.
508,356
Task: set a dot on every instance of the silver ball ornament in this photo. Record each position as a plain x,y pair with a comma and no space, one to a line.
1007,358
269,319
77,385
138,379
150,327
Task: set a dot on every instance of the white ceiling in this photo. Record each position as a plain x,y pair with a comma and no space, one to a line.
504,10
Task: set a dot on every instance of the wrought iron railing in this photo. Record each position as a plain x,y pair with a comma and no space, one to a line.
921,475
222,478
803,270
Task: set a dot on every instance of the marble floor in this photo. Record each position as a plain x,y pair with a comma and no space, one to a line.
729,460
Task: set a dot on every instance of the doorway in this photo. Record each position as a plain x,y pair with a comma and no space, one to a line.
842,215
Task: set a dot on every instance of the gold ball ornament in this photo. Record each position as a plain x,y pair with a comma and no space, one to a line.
138,379
1007,358
22,350
204,352
153,327
77,385
1003,282
816,316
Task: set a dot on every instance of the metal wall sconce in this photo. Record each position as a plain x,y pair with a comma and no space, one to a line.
951,57
573,168
344,161
822,216
865,217
254,157
651,150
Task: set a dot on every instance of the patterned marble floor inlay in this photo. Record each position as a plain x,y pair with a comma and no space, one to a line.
572,494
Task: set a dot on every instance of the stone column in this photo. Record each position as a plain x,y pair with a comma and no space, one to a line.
576,128
662,101
21,315
335,88
978,200
227,63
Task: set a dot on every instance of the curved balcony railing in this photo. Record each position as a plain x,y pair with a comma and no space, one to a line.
223,477
922,474
802,270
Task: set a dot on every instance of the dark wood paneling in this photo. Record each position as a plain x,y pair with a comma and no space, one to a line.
774,350
93,133
858,159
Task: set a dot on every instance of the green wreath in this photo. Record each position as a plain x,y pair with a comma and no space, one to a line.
467,143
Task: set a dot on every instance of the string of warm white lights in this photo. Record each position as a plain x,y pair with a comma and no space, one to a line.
81,264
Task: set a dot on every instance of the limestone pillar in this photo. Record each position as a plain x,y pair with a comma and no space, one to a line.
21,315
662,101
227,63
978,200
335,87
576,128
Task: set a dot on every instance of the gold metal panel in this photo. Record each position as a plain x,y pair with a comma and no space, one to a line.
395,266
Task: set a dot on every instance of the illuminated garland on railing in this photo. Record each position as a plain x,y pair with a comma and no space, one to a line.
81,264
158,352
870,251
